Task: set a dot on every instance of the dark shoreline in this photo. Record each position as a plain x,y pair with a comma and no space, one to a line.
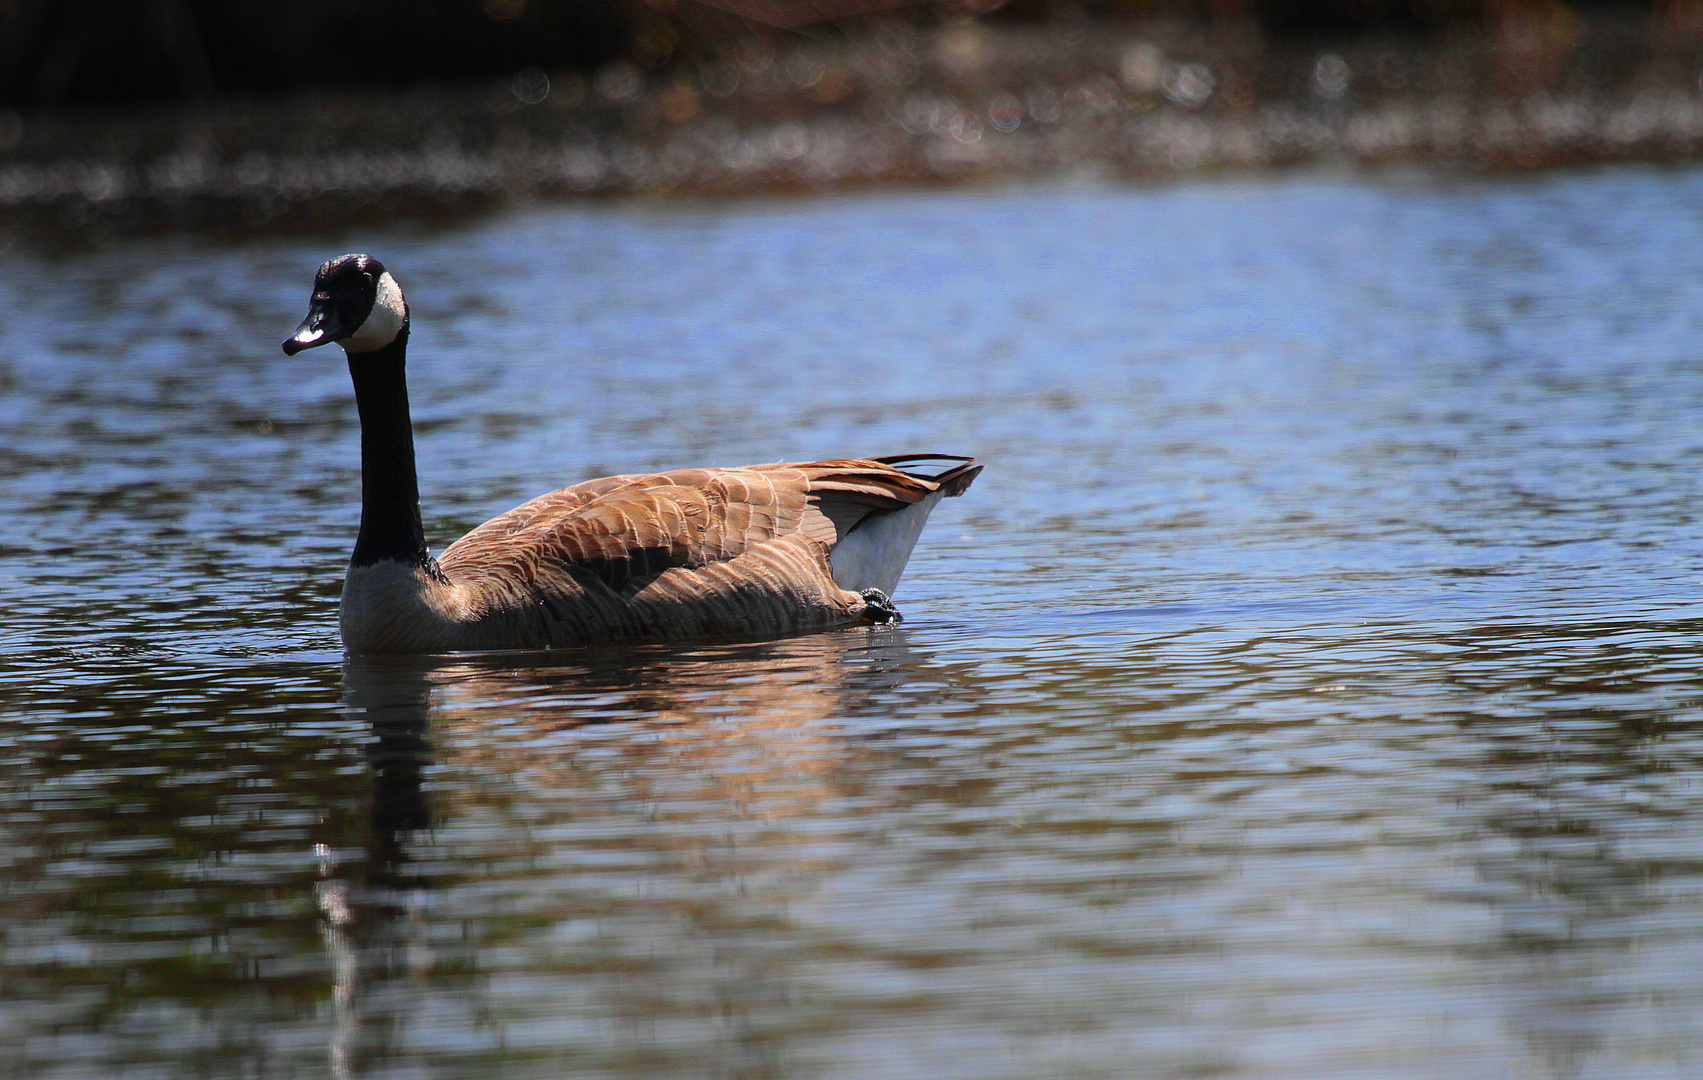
969,103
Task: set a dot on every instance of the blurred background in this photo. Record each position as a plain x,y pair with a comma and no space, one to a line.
238,115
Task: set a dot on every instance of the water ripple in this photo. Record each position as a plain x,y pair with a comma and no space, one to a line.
1308,688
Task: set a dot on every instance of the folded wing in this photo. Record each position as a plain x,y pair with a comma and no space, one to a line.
688,553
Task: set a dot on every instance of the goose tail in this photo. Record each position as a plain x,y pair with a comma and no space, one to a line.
874,553
952,472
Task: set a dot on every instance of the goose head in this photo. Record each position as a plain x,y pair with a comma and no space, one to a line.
355,303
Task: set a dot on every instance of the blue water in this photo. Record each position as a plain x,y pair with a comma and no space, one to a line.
1310,687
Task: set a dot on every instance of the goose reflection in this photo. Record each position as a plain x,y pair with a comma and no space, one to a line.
537,814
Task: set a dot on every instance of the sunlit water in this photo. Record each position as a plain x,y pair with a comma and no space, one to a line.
1312,686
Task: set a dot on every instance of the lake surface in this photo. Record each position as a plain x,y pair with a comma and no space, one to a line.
1311,687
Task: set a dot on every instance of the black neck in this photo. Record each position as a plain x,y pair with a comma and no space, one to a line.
390,490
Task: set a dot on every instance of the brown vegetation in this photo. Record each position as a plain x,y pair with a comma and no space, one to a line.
685,97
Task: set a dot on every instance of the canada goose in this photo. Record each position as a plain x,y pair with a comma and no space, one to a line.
764,549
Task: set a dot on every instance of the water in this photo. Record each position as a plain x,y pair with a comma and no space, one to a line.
1309,688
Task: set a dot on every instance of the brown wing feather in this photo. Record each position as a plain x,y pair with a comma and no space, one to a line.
843,493
677,554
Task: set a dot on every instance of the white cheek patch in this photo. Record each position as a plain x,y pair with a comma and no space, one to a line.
389,312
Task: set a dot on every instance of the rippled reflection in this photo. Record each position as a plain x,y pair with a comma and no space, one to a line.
697,810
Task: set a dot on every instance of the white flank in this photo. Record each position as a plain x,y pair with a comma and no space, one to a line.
389,606
385,321
873,555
